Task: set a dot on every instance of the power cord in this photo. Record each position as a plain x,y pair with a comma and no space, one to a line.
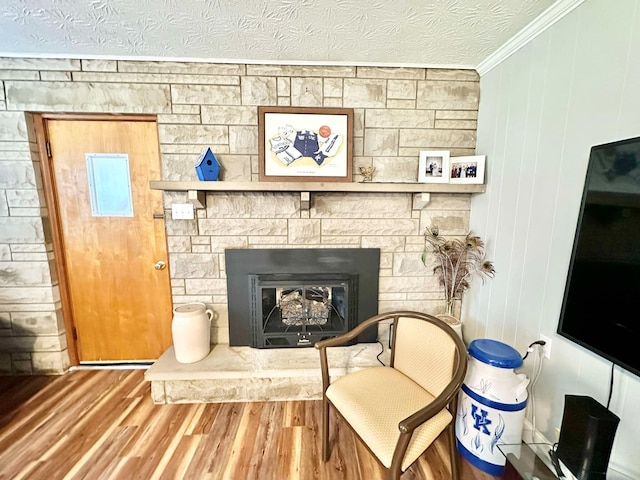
553,455
610,385
389,341
542,343
381,352
537,370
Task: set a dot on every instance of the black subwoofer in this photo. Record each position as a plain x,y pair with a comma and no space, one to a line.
586,437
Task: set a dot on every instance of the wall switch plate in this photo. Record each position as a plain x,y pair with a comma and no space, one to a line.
182,211
547,346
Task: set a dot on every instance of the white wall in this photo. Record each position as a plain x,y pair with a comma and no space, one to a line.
575,85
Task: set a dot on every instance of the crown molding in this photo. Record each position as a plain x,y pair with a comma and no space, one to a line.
234,61
547,18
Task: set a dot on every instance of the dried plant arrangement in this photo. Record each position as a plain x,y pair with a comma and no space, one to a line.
456,262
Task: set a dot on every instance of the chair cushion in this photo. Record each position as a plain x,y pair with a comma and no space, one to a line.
374,400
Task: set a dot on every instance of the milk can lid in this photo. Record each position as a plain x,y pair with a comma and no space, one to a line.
495,353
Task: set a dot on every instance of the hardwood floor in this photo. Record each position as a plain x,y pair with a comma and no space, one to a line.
102,424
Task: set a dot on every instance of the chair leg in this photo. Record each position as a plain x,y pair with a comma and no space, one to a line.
326,453
453,452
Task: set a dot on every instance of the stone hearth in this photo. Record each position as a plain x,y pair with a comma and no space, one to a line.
245,374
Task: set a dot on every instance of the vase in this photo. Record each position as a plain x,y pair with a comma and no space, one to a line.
451,319
191,332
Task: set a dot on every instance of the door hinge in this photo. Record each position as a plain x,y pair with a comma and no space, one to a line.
48,145
74,333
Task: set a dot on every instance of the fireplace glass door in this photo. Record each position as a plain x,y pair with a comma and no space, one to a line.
292,311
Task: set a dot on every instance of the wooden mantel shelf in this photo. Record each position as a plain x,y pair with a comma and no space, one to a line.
372,187
196,189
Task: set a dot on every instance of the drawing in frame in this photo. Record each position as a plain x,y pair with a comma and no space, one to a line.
433,167
305,144
467,169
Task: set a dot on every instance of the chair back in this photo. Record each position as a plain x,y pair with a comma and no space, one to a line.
425,352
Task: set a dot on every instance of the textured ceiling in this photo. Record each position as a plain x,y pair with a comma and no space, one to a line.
454,33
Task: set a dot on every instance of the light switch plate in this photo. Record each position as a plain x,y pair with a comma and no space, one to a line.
182,211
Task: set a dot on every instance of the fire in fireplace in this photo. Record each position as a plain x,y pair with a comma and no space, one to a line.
296,297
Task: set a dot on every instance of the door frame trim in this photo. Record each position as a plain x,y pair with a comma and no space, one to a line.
51,198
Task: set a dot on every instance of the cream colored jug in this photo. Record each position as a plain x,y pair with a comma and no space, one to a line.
191,331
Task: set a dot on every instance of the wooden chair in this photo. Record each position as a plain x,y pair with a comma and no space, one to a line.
398,411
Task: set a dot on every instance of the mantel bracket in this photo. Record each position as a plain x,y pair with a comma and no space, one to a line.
421,200
197,197
305,201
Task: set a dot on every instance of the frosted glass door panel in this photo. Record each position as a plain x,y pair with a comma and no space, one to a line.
109,184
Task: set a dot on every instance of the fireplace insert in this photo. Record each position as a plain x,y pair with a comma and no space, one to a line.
295,297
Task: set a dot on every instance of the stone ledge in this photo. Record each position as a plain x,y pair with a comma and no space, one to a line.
245,374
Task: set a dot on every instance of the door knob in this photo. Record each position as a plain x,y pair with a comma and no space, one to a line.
160,265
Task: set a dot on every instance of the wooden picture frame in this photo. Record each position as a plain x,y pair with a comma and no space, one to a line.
468,170
433,167
305,144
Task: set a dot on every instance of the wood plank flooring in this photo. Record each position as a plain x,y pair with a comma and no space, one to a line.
102,424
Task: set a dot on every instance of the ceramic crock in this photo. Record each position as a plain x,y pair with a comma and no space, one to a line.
191,331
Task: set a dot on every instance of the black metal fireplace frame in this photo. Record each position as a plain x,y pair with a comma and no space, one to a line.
362,264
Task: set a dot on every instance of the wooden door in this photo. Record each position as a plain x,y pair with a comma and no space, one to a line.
120,296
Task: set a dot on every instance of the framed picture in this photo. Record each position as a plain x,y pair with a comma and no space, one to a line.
305,144
434,167
467,169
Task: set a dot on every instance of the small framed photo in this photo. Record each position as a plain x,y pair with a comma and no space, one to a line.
467,169
434,167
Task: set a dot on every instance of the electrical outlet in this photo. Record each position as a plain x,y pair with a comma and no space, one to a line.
182,211
547,346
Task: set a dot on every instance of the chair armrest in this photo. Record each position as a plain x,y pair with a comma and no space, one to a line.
344,338
351,334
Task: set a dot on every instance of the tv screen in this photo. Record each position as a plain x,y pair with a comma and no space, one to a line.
601,307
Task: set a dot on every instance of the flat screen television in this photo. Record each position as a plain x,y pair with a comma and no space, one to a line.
601,306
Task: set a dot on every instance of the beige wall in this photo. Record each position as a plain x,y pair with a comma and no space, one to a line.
398,112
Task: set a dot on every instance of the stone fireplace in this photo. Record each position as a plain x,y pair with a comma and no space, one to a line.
398,112
282,298
265,241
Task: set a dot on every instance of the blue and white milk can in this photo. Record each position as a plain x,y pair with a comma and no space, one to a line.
491,404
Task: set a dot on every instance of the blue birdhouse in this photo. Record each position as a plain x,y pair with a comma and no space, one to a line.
207,166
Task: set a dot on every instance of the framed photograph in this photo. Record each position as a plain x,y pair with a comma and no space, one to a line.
467,169
305,144
434,167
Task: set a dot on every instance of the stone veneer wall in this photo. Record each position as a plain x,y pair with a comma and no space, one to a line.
398,112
